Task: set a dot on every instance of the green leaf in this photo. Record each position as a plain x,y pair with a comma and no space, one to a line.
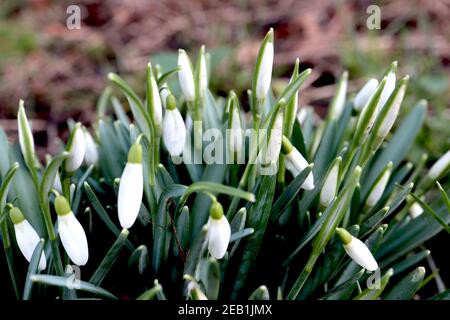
444,195
210,277
433,213
68,283
6,184
48,178
4,159
151,293
408,261
374,293
285,199
237,224
442,296
110,258
182,231
164,77
241,234
33,268
258,218
196,252
12,270
103,102
344,290
103,215
261,293
407,287
139,257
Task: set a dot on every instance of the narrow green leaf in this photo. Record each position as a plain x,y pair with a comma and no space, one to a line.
407,287
33,268
261,293
164,77
374,293
241,234
139,257
196,252
433,213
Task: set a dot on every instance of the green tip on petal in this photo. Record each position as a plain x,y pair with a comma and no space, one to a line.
216,210
62,206
171,102
135,153
16,215
286,146
344,236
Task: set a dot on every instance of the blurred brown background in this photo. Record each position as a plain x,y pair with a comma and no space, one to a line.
60,72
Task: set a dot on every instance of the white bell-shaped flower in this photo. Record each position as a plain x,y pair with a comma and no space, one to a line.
91,153
296,163
27,238
357,250
378,189
363,96
71,232
264,66
131,187
76,148
186,76
440,166
174,129
330,185
219,231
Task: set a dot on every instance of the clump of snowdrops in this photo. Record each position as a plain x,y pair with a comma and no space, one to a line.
196,198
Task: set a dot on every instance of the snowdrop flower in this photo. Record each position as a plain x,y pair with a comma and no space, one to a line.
394,108
387,90
71,232
338,103
26,140
203,72
164,93
415,210
274,144
264,67
174,130
155,99
440,166
295,163
363,96
186,76
219,231
330,185
379,186
357,250
27,238
91,153
235,131
76,148
131,187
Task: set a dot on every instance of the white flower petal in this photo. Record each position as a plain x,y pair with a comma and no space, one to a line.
415,210
174,132
295,163
439,166
378,190
392,114
329,188
73,238
130,194
27,239
91,153
387,91
219,233
276,136
359,253
236,134
185,76
157,107
265,72
76,152
363,96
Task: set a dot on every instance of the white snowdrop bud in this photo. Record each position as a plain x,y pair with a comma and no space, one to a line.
164,93
76,148
330,185
264,67
378,188
203,72
91,153
236,134
174,130
71,232
387,90
185,76
195,292
363,96
296,163
155,99
357,250
26,140
338,103
440,166
188,122
219,231
415,210
27,238
275,139
131,187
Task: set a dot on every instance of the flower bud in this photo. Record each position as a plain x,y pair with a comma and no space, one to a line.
91,153
387,90
357,250
26,140
296,163
378,188
219,231
131,187
440,167
236,139
185,76
338,103
203,73
27,238
194,291
174,130
274,144
330,185
76,148
264,67
363,96
155,99
71,232
415,210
